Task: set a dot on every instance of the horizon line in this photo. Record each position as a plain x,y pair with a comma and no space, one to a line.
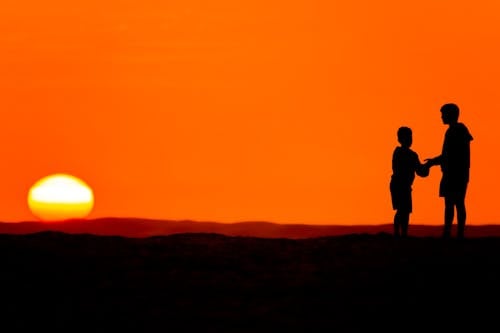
130,218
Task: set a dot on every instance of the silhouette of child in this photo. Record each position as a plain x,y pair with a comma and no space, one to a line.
405,164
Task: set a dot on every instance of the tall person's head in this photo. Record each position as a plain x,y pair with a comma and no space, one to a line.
450,113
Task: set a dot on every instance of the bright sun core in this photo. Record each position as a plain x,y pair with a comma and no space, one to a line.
60,197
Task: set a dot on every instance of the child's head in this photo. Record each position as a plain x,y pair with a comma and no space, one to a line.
405,136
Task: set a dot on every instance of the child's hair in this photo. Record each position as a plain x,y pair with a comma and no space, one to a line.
404,135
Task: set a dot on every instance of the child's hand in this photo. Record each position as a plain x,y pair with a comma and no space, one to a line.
423,170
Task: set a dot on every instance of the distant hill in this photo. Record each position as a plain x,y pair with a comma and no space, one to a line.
139,228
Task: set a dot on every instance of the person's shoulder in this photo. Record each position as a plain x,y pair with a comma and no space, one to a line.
463,130
405,152
413,153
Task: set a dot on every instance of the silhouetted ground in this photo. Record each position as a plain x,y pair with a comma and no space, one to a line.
140,228
214,283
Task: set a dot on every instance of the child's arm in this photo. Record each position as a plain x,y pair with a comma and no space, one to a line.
422,170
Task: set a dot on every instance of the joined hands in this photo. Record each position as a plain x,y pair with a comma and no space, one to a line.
429,162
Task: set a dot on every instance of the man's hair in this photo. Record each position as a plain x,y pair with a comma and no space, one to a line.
451,110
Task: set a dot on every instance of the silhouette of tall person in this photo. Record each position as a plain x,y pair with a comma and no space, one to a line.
455,165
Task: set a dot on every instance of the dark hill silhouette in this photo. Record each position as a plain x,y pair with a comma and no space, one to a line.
137,227
194,282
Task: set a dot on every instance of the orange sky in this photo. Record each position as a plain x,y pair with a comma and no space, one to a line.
221,110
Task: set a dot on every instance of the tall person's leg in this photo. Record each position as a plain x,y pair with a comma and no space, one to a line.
461,217
449,213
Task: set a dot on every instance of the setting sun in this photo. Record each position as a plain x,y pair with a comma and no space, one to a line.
60,197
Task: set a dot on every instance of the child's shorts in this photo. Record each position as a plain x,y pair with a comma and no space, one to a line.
401,198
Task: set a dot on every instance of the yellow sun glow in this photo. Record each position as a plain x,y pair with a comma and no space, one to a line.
60,197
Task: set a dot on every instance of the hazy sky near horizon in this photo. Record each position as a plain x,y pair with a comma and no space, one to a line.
220,110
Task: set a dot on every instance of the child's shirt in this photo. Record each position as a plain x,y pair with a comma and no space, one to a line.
405,163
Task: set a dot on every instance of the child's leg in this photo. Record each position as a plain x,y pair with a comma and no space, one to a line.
397,223
405,220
